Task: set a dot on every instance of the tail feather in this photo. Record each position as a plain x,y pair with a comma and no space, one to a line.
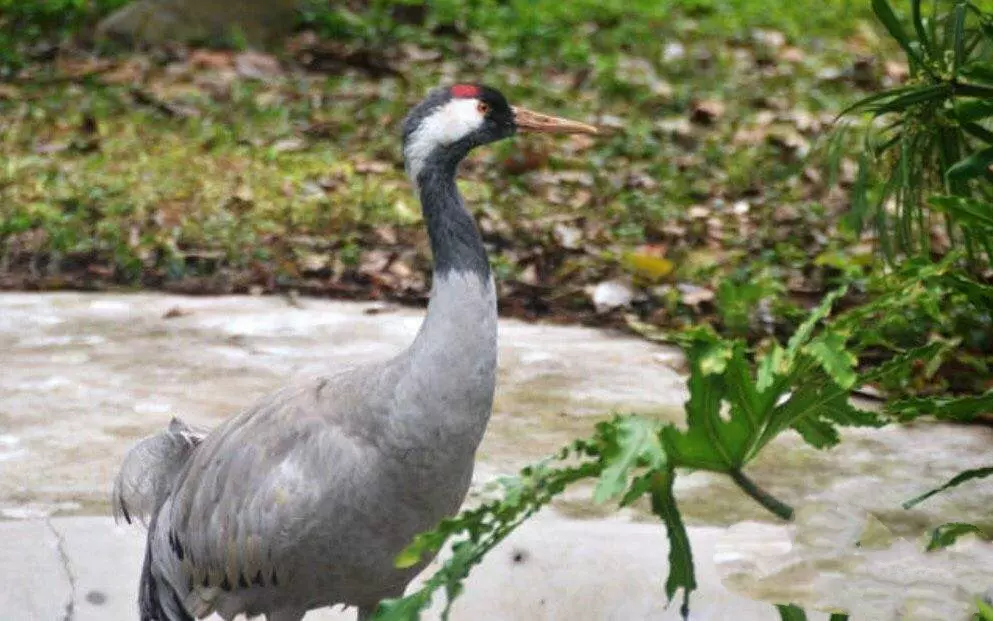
147,477
157,600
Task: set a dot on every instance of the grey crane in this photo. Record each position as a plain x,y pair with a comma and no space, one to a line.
304,499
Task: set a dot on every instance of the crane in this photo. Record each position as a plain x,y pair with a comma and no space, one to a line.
305,499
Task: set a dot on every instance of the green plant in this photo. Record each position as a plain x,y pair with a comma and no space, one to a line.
734,410
931,135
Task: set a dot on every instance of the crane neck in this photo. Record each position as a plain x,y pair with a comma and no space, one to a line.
453,358
455,241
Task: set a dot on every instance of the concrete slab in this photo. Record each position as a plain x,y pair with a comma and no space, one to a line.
552,569
35,572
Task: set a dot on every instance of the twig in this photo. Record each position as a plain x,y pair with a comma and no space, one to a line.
761,496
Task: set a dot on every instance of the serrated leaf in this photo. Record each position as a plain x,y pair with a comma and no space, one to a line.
803,333
958,479
962,409
830,351
424,543
947,534
635,442
401,609
681,574
771,366
638,487
901,363
713,358
817,433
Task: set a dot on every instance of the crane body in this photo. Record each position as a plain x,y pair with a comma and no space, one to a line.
304,499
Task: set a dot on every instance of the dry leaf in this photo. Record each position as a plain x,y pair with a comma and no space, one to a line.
706,111
610,294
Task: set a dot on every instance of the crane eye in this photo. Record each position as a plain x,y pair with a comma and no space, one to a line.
482,107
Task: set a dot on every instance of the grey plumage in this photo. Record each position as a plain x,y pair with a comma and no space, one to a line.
304,499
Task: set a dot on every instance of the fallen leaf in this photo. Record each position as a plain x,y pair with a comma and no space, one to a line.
9,91
648,266
175,312
210,59
693,295
289,145
256,65
567,236
698,212
706,111
375,167
610,294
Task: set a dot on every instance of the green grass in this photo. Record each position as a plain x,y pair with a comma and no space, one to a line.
222,177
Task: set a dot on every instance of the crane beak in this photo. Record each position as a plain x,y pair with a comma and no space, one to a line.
529,121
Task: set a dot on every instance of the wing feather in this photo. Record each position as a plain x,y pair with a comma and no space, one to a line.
150,470
250,493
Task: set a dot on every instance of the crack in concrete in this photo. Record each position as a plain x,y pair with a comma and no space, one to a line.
67,566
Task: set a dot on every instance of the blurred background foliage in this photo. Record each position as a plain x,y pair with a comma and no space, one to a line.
724,194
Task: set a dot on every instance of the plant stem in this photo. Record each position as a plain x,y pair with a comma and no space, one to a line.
761,496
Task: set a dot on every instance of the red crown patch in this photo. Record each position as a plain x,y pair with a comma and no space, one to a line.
464,90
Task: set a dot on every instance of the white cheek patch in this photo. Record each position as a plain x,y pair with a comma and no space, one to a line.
449,123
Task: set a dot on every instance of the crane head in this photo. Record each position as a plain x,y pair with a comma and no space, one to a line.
453,120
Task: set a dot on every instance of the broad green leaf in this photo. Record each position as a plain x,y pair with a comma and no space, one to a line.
958,479
700,445
771,366
947,534
713,358
681,575
817,433
973,166
635,442
791,612
712,441
829,349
